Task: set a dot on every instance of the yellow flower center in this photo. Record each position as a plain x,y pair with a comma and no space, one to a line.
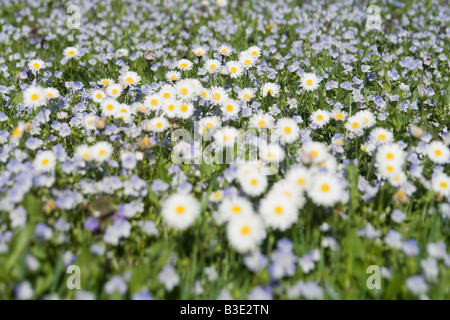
102,152
314,153
98,95
254,182
355,125
438,152
325,188
247,62
71,53
278,210
154,102
212,67
309,82
382,137
114,91
287,130
233,69
130,80
180,209
229,107
261,123
246,96
236,209
171,107
34,96
184,108
320,117
159,125
390,156
216,96
184,65
110,107
443,185
166,95
245,230
390,168
301,181
16,132
184,91
85,155
45,162
339,115
36,65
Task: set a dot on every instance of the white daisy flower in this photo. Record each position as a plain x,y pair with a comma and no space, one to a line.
71,52
159,124
309,81
245,232
438,152
84,152
110,106
218,94
261,120
247,60
320,118
270,88
390,152
355,123
226,137
114,90
253,184
225,50
98,95
368,118
288,130
325,190
105,82
129,78
184,64
441,183
185,110
272,152
185,90
153,102
170,108
246,94
51,93
167,92
212,66
254,51
230,107
45,161
101,151
173,76
200,51
36,64
180,210
208,124
314,152
381,136
278,213
231,207
300,176
34,97
124,113
339,115
235,68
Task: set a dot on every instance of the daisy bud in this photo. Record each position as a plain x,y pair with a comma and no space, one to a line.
100,124
426,62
